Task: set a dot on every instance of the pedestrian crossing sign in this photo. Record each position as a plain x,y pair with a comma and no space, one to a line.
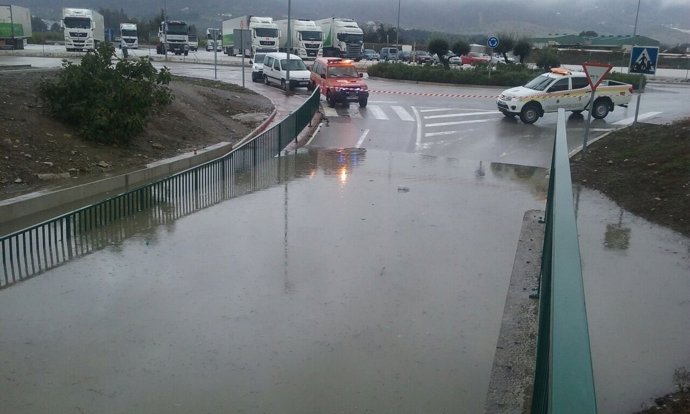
643,59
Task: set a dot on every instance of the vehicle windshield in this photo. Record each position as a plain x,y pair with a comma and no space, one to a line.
294,64
177,28
351,37
212,33
192,38
314,36
259,58
77,23
132,33
422,54
265,32
540,83
342,72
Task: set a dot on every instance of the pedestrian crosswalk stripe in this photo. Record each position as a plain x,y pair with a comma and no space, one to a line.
402,113
474,121
436,110
377,112
466,114
628,121
328,111
434,134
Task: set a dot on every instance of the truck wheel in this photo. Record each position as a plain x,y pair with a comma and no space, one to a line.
283,86
529,114
600,108
329,100
266,80
363,103
186,52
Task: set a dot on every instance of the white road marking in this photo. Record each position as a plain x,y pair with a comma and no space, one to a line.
628,121
402,113
433,134
377,112
449,109
474,121
383,102
454,115
362,138
418,142
328,111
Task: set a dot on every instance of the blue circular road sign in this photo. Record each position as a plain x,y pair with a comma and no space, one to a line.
492,42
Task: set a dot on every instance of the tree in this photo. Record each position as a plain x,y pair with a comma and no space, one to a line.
460,47
109,104
589,33
440,48
548,59
522,49
38,25
56,27
506,44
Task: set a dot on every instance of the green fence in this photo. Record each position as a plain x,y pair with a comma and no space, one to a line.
563,382
252,166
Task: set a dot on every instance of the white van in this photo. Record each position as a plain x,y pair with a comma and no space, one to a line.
275,70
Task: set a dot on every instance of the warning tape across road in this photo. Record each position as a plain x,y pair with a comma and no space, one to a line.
439,95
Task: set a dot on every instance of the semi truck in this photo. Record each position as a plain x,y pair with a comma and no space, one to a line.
304,39
342,38
15,26
214,38
129,36
84,29
173,36
264,35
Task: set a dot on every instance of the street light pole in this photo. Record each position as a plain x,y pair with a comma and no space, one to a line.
639,92
397,31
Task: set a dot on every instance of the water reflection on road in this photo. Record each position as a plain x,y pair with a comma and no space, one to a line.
352,281
637,309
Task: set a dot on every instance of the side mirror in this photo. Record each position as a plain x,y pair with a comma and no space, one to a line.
250,62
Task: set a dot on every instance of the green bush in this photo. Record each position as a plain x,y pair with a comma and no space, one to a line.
504,75
106,103
631,78
46,37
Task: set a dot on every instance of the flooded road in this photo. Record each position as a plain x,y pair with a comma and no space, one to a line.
637,288
360,281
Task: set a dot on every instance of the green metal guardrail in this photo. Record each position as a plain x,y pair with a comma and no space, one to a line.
249,167
563,382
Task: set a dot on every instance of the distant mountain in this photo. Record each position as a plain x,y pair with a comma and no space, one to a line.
523,17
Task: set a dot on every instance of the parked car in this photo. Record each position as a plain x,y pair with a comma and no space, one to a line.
404,56
370,54
422,56
275,70
498,58
475,58
257,67
389,53
339,81
454,60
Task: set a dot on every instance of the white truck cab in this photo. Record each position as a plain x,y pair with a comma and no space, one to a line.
562,88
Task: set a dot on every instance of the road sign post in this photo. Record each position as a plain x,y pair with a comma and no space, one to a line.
596,72
493,43
643,60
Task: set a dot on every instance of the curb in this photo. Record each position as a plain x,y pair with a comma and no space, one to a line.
16,211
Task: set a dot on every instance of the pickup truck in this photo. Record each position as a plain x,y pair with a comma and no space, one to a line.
562,88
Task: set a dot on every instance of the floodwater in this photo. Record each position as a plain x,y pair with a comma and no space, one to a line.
637,287
358,282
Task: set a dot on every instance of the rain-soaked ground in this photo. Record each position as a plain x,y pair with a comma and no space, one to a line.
340,281
359,282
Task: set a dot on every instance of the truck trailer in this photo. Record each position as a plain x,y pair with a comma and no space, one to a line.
263,32
84,29
304,39
173,36
129,36
15,26
342,38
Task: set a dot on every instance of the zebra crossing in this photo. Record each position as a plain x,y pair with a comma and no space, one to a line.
378,110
